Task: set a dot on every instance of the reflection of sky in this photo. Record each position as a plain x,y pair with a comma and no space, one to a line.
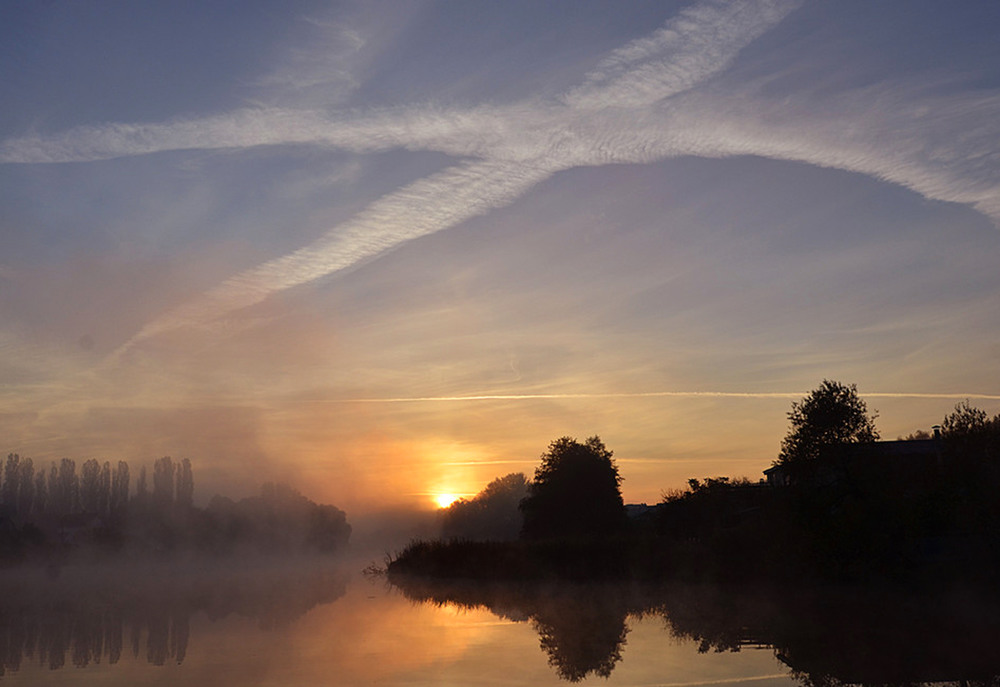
371,636
220,232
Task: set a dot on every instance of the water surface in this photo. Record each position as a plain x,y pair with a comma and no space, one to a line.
309,624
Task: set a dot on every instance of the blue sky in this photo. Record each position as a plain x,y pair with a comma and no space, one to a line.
387,250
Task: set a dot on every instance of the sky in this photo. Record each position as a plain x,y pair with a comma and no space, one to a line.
385,251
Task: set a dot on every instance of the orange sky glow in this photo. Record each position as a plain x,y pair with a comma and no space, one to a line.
362,254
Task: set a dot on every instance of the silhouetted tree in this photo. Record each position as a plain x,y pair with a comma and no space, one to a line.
90,487
104,500
830,416
11,481
965,420
67,488
327,529
54,502
493,513
163,482
141,486
970,431
971,448
279,520
119,488
576,492
41,493
34,509
185,485
26,488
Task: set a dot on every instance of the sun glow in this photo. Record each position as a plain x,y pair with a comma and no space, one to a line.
445,500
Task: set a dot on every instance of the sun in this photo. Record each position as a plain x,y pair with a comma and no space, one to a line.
445,500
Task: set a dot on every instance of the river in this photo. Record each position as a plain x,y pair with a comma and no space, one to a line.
304,623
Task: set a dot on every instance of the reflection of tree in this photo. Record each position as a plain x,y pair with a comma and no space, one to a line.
98,614
828,637
832,637
581,637
581,627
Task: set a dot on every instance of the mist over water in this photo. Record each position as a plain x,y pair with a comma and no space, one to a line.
319,620
85,615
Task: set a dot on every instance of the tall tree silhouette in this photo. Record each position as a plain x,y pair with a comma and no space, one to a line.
104,493
829,416
576,492
90,487
11,481
67,487
119,488
141,486
185,486
163,482
41,501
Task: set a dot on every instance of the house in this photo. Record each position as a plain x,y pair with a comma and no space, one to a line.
906,463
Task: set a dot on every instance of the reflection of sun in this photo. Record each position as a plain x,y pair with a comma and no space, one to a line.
445,500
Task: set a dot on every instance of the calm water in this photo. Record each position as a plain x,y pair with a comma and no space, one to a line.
306,625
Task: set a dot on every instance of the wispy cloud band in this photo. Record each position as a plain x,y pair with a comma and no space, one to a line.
413,211
642,103
699,43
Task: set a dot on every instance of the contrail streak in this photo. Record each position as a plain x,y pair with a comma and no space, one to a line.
650,394
958,397
413,211
511,153
639,104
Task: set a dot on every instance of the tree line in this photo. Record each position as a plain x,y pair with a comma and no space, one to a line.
838,504
98,489
571,473
57,510
842,505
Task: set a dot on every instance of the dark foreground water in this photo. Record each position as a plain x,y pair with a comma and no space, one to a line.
308,624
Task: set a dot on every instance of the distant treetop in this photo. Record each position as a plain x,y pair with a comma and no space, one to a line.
831,415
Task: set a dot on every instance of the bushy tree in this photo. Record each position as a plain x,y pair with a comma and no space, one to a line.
492,514
576,492
965,420
971,434
280,520
830,416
